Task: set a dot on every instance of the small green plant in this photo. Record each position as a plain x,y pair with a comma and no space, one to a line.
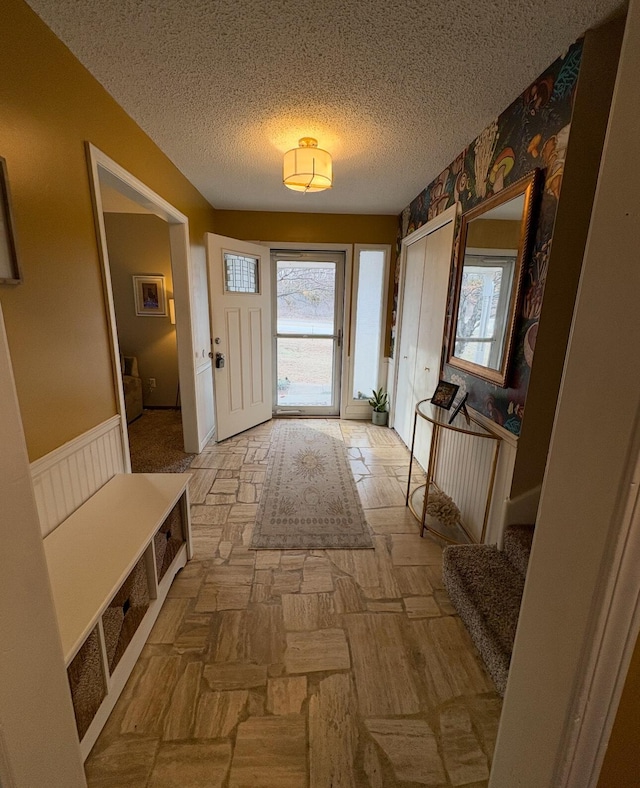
379,400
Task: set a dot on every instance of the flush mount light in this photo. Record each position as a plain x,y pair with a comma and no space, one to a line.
307,168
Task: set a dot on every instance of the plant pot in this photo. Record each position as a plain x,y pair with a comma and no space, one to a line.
379,417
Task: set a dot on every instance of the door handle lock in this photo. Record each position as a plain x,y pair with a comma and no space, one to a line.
219,360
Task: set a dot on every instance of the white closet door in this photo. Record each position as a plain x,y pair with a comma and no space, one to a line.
428,264
433,309
405,393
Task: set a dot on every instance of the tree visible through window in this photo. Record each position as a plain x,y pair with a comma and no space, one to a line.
483,308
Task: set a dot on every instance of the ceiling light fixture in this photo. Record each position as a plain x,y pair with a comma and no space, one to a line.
307,168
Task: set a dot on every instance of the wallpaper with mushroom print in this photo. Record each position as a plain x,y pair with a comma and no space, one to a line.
531,133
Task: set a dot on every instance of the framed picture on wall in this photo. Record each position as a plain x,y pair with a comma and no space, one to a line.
9,270
444,394
150,295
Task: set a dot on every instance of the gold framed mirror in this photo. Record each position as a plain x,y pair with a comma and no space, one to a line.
494,243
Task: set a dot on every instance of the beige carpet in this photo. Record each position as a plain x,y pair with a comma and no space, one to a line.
156,443
309,499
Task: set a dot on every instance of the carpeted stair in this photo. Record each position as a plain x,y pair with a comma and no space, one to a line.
485,586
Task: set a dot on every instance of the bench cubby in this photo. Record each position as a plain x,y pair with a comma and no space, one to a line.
111,564
87,682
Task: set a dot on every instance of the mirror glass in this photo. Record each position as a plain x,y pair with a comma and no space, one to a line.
493,242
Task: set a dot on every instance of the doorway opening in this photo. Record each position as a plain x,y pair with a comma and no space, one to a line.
308,307
145,298
143,293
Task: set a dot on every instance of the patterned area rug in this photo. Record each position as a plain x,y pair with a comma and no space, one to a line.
309,499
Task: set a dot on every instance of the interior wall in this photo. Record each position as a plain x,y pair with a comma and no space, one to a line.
139,244
310,228
38,737
56,319
493,234
622,760
307,227
533,132
563,261
588,487
558,124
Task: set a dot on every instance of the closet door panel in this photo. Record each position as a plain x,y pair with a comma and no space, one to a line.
428,357
405,392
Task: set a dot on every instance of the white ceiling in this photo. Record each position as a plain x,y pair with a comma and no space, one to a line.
393,89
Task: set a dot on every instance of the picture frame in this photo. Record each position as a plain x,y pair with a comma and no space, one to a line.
9,267
150,295
461,406
444,394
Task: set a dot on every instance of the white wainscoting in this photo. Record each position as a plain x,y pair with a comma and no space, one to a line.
69,475
464,471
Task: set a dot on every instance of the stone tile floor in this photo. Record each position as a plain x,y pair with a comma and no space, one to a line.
288,669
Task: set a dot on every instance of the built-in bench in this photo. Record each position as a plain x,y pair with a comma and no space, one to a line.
111,564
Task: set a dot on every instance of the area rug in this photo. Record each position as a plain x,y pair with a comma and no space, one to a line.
309,500
156,443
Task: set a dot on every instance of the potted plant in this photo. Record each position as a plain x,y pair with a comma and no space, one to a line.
379,401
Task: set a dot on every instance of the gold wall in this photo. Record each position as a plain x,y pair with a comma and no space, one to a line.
494,234
621,765
139,244
56,319
307,227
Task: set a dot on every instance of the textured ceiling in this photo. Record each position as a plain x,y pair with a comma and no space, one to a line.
394,89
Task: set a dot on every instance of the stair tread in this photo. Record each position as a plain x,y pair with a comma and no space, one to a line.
517,545
486,590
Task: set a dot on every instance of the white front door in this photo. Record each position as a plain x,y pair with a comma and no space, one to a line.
240,288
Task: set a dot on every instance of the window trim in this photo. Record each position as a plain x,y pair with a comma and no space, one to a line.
353,408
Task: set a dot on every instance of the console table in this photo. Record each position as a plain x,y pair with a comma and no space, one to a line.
462,425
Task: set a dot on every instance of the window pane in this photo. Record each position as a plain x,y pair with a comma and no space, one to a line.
240,274
482,312
305,371
306,297
366,363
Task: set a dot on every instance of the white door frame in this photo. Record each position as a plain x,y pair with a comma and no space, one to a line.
430,227
181,270
308,246
352,408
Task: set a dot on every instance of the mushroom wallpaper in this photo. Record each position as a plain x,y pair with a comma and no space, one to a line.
531,133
